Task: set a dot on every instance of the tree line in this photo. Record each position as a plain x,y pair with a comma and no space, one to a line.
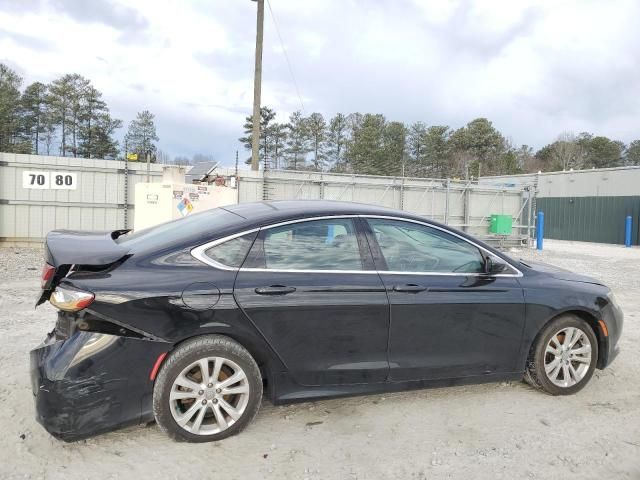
67,117
371,144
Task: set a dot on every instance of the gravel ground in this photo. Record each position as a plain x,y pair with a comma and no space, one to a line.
490,431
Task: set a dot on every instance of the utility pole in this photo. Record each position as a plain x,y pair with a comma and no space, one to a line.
257,86
148,166
126,182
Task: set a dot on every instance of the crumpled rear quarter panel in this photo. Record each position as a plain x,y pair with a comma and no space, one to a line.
92,383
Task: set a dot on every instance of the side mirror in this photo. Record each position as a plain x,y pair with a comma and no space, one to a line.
492,267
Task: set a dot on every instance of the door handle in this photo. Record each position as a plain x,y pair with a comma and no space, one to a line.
275,290
409,287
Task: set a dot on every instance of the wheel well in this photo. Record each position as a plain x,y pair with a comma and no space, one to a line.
589,320
593,323
260,358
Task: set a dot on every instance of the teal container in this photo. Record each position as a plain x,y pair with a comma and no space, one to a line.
501,224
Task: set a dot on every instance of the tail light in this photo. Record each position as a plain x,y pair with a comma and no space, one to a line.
70,300
47,275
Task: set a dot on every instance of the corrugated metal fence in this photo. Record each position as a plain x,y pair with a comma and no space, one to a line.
464,205
42,193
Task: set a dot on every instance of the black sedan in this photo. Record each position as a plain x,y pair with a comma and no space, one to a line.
192,321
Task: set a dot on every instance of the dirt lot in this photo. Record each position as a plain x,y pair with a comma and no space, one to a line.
489,431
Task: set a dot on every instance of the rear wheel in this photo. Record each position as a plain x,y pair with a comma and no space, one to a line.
564,356
208,389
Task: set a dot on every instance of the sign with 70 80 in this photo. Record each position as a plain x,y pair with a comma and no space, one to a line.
44,180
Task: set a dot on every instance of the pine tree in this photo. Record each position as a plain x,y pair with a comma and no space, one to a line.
277,136
417,149
59,100
393,159
366,153
33,103
479,147
317,128
10,82
92,108
298,144
603,152
337,138
632,153
267,115
141,135
437,152
79,89
103,144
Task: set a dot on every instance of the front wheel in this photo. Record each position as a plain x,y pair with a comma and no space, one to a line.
564,356
208,389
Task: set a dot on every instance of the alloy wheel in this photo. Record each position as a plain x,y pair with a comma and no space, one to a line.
209,396
567,357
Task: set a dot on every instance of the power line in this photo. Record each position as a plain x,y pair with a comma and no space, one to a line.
286,56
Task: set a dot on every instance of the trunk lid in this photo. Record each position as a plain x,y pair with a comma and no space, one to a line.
67,248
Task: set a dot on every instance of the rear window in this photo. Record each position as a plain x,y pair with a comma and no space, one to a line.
207,222
232,252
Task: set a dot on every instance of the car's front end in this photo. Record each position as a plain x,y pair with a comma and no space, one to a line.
551,291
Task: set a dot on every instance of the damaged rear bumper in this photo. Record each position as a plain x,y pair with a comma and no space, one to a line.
91,383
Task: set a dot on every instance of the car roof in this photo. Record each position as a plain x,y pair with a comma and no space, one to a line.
248,216
282,210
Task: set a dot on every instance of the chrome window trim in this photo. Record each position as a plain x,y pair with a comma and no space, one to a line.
426,224
381,272
283,270
198,252
299,220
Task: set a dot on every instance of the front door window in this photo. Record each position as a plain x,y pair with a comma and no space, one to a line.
413,247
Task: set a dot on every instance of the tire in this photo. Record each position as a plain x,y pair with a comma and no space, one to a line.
180,390
561,368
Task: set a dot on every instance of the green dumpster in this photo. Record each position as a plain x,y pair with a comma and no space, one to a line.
501,224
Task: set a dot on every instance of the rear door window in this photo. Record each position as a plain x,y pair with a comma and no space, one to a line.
328,244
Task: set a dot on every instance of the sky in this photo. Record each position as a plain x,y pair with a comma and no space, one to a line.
534,68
